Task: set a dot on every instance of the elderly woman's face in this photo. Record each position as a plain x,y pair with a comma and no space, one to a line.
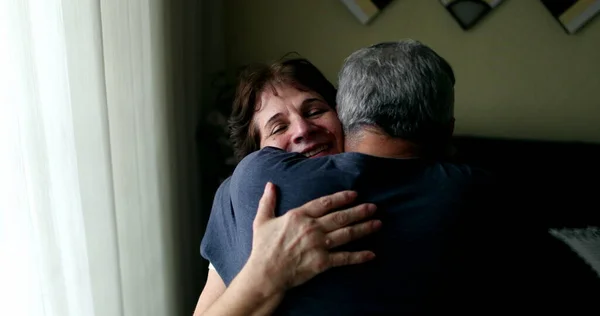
297,121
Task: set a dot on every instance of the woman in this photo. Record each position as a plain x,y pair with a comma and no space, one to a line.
288,105
301,97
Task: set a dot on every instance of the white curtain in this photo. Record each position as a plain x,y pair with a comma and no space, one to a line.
87,224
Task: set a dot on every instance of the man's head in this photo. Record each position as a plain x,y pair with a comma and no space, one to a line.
403,90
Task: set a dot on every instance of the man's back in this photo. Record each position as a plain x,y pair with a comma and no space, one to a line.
426,208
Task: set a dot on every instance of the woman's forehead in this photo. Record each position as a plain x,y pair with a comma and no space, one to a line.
281,95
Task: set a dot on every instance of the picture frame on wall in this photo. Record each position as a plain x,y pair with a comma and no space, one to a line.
573,14
469,12
366,10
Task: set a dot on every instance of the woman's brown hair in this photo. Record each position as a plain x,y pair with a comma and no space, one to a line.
252,80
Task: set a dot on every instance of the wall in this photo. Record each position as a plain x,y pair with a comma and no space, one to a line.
518,73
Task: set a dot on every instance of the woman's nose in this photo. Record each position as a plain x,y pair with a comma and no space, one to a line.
302,130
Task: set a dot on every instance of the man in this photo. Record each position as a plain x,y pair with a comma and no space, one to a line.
396,104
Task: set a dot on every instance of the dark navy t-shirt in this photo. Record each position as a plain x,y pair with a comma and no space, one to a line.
430,252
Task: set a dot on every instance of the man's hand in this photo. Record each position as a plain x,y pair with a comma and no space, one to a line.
293,248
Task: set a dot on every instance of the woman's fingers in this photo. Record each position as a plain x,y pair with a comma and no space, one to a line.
266,205
339,219
344,258
347,234
291,249
321,206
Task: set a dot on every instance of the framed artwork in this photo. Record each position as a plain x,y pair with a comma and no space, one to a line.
573,14
366,10
468,12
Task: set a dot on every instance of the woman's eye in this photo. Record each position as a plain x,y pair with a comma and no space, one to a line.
277,129
316,112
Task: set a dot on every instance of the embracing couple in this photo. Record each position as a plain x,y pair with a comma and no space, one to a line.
347,202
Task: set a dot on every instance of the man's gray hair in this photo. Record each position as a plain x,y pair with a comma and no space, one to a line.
404,88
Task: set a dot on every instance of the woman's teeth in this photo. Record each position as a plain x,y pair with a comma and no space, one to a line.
316,151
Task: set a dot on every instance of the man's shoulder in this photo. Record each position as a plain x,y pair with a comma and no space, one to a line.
222,194
298,179
268,157
273,163
465,171
459,182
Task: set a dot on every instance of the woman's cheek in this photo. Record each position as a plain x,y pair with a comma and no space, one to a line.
278,141
334,125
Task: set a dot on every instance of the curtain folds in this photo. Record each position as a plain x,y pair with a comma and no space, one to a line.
95,142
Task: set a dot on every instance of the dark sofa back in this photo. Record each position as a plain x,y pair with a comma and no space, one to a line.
551,185
557,182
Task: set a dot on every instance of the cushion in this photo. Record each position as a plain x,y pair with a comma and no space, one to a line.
585,242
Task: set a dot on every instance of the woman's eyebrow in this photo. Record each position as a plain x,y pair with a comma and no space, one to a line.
310,101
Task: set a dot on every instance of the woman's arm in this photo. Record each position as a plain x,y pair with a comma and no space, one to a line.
213,289
247,301
290,250
248,294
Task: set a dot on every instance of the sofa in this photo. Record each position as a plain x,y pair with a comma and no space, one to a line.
550,185
559,180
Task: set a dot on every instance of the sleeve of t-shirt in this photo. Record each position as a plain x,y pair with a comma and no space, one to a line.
220,238
297,178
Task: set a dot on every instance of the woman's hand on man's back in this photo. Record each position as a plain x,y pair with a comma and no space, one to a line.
291,249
